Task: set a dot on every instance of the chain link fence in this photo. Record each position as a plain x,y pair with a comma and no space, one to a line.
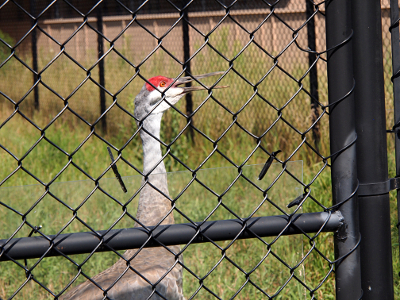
92,59
61,21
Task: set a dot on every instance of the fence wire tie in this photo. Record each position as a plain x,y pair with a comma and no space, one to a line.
395,129
339,260
115,170
35,229
268,164
296,201
395,75
394,25
337,205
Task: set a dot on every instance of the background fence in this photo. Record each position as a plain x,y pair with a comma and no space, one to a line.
136,43
60,22
56,170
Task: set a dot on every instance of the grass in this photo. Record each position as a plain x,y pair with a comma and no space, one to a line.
44,163
99,212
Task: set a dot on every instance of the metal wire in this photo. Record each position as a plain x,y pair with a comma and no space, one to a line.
285,114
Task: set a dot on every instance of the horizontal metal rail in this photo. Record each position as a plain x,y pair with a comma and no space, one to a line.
131,238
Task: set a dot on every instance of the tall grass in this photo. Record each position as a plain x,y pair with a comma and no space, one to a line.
45,161
212,117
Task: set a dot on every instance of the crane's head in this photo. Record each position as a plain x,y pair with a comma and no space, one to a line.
159,93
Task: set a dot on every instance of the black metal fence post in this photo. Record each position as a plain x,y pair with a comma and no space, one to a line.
313,73
34,56
343,148
100,53
394,30
372,166
186,62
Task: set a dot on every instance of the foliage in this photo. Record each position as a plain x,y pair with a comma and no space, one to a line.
4,49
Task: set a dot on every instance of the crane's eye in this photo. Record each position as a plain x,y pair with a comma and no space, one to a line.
163,83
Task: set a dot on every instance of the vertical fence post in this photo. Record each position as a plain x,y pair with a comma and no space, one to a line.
313,73
186,62
34,56
343,147
394,30
100,53
372,166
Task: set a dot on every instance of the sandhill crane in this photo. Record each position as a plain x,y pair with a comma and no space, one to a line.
157,270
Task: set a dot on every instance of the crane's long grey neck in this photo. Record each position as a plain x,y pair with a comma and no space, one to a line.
153,205
151,146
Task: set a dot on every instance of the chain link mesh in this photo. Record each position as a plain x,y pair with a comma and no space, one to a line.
56,176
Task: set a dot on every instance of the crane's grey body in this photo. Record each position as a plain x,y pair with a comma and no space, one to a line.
151,271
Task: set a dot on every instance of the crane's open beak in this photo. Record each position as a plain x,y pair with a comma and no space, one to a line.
186,79
175,92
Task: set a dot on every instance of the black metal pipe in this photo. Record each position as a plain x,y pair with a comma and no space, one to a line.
372,166
312,57
100,53
342,142
34,55
395,39
186,63
131,238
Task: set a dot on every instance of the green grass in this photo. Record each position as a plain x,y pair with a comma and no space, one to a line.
45,162
100,212
21,191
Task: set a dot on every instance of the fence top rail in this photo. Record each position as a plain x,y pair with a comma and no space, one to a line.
202,14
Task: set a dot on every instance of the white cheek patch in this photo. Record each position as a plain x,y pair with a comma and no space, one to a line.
163,106
172,96
154,97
